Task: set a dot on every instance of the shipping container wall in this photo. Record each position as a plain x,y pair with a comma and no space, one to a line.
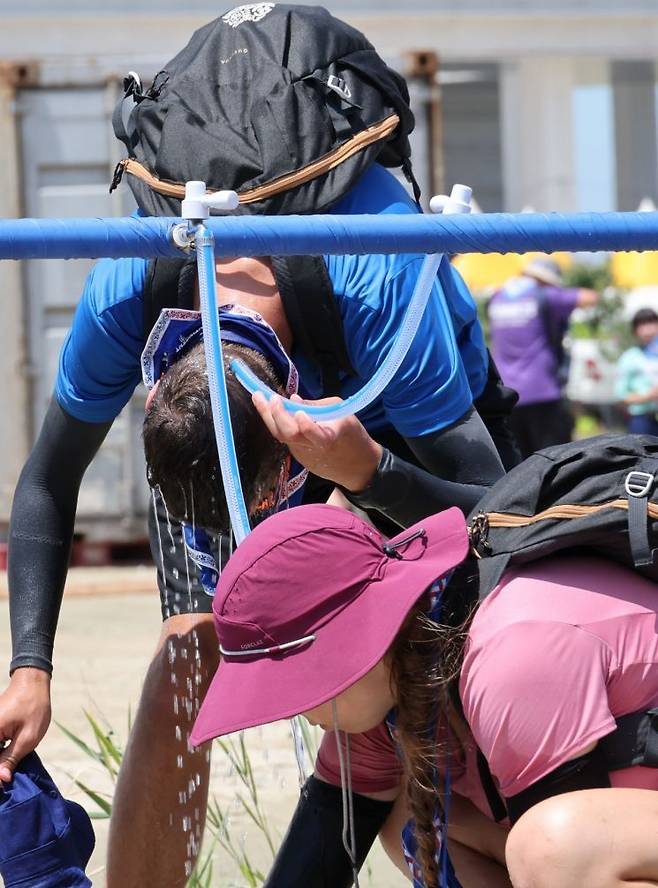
68,154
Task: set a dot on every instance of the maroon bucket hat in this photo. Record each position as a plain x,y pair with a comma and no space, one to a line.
309,603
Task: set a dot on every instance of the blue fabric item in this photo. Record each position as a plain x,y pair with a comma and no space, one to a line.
99,362
197,543
45,840
182,330
643,424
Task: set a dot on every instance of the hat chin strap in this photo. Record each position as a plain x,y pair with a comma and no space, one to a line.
349,839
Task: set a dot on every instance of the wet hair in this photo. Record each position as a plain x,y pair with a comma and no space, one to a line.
425,661
644,316
180,447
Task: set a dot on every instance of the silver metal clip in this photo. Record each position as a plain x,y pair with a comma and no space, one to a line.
339,86
638,484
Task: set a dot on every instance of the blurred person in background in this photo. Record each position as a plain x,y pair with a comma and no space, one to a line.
637,375
528,318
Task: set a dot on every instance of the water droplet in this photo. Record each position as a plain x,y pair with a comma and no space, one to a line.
175,571
175,704
162,566
183,653
179,761
179,733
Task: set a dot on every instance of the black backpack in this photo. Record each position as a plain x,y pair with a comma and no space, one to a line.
288,106
284,104
598,495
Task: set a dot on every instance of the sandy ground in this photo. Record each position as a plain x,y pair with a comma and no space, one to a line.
108,629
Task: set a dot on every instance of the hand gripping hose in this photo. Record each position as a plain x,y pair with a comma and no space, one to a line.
458,202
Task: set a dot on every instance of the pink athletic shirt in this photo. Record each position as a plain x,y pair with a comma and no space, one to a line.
554,654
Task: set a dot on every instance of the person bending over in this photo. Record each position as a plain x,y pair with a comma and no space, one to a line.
460,693
427,413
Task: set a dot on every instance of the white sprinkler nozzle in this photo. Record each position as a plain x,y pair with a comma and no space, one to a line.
458,202
198,203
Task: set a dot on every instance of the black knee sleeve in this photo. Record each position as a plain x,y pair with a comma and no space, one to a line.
312,853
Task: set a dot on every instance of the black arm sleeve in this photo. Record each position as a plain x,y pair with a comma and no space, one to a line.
41,531
312,853
463,453
406,493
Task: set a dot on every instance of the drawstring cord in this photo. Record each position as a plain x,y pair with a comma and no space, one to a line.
345,762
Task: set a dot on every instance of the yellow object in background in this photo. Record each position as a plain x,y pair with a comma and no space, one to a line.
489,271
634,269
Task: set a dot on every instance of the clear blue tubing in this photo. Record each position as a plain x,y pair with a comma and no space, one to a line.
228,460
388,367
294,235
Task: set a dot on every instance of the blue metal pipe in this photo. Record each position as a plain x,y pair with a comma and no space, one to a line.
291,235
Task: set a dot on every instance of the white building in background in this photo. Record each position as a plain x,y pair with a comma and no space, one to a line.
551,105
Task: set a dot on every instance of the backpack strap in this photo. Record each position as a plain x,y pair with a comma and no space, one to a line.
634,742
639,486
589,771
494,798
169,284
308,299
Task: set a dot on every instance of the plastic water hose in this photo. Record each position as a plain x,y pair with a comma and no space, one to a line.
228,461
458,202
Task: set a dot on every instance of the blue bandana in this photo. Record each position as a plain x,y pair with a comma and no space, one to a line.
177,331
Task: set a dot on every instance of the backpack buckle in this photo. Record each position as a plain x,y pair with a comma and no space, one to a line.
339,86
638,484
478,532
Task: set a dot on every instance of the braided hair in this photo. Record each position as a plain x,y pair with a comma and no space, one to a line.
426,659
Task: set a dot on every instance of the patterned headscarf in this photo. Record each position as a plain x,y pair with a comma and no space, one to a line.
177,331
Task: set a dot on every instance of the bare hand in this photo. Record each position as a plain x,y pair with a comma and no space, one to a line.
24,717
340,451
